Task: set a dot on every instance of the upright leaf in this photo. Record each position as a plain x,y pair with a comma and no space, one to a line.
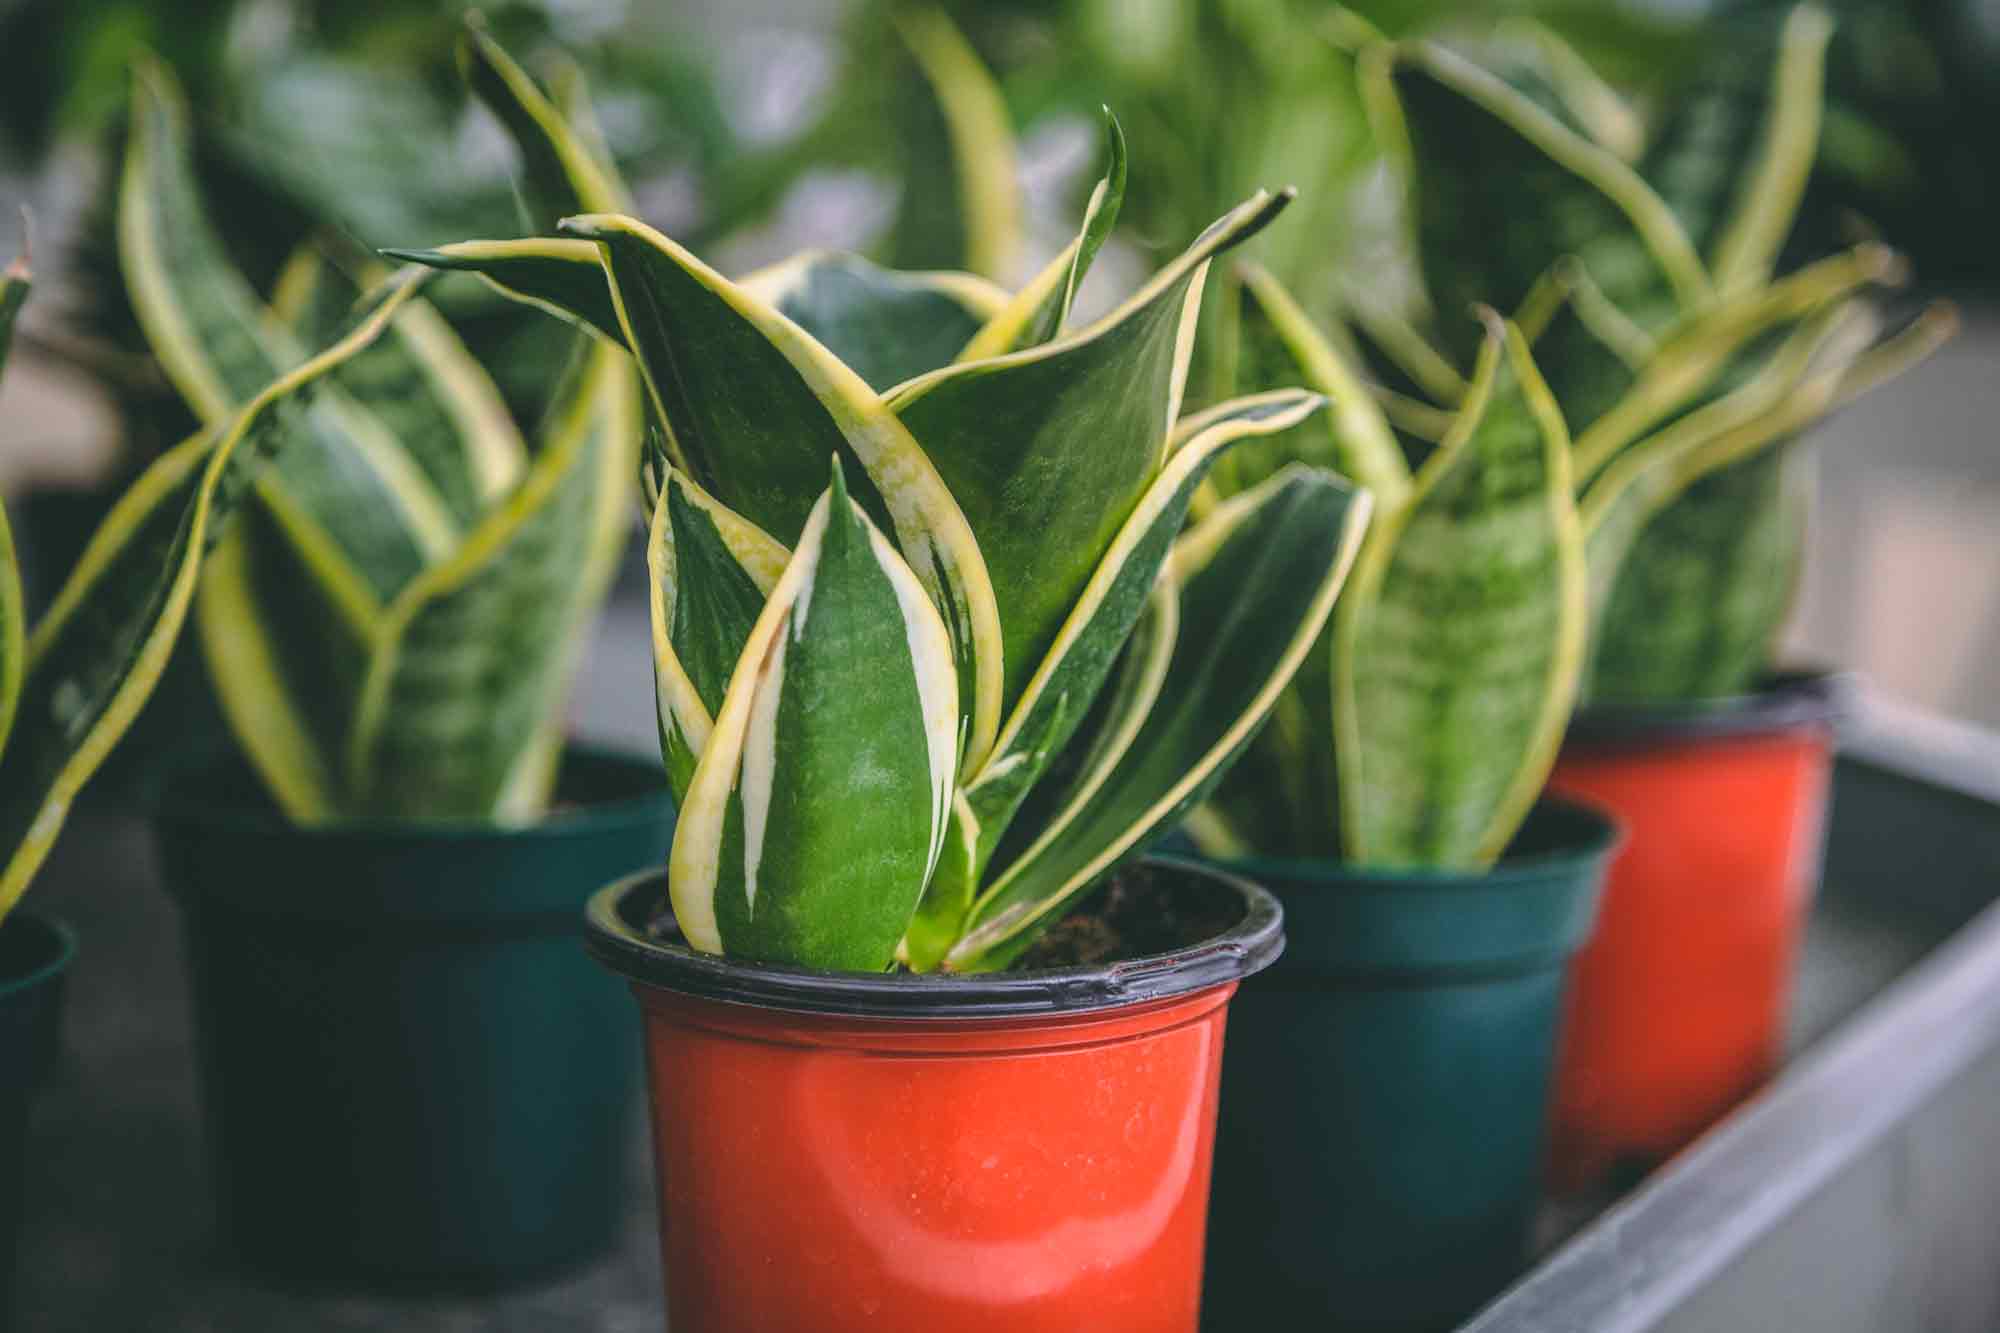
1049,449
887,326
1457,652
981,137
752,406
1257,580
846,684
96,656
14,283
711,573
562,173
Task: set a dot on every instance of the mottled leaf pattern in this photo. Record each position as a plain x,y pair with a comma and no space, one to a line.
1457,654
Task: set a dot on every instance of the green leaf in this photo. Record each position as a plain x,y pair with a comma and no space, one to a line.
562,172
1256,581
354,498
14,284
1037,312
95,657
888,326
1458,650
981,137
1049,449
752,406
461,710
1502,190
564,278
1068,678
819,806
712,571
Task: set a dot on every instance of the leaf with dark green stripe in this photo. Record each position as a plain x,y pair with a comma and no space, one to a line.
888,326
980,203
464,694
1048,450
96,656
1037,312
1503,190
351,493
1256,581
712,571
752,406
846,685
564,278
1458,650
562,174
14,283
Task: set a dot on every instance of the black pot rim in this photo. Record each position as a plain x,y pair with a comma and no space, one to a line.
185,795
64,941
616,936
1600,835
1784,701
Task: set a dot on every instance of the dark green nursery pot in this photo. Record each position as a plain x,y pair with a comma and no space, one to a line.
1385,1085
35,955
410,1070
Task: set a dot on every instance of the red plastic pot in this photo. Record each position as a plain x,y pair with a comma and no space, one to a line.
1677,1009
1026,1152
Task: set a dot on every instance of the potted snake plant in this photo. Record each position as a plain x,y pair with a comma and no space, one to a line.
382,903
1481,613
934,661
1681,331
71,687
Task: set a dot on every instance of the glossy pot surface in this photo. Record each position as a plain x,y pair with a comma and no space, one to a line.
410,1070
1385,1098
1679,1005
1023,1152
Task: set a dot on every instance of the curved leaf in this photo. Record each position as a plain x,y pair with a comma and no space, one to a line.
887,325
752,406
461,709
1048,450
819,806
14,283
1256,581
711,573
563,174
1037,312
96,656
561,277
1458,650
981,134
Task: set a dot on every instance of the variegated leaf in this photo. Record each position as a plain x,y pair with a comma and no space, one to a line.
461,710
1069,677
819,806
1503,189
354,498
752,406
711,571
561,277
887,326
1038,311
562,172
1049,449
1458,651
14,283
1256,581
981,138
95,657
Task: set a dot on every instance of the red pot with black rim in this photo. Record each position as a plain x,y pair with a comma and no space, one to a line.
1678,1004
1024,1151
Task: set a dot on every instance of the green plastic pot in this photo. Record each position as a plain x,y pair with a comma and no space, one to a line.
35,955
410,1070
1385,1085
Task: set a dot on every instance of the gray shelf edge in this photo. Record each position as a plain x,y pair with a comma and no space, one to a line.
1646,1256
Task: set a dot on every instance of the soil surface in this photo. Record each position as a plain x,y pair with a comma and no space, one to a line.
1138,912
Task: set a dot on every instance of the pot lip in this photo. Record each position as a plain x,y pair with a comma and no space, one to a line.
1783,701
1602,833
64,937
178,799
617,941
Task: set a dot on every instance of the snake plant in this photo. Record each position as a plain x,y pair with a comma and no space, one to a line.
393,627
1592,476
71,688
932,654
